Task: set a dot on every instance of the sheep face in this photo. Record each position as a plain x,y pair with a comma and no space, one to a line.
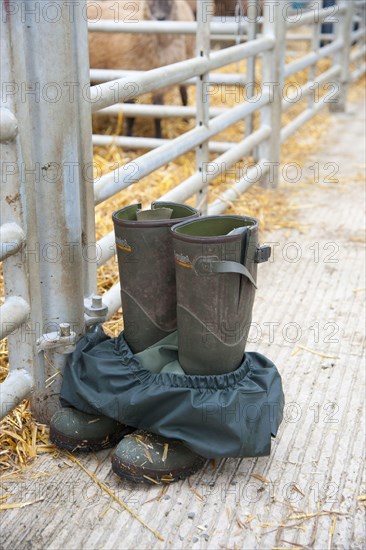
160,10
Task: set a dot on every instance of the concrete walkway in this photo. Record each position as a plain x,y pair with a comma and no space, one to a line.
309,315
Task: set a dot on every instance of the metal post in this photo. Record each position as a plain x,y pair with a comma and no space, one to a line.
18,321
315,45
55,136
252,14
274,25
202,97
342,57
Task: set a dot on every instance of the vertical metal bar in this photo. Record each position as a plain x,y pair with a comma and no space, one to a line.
202,97
315,45
342,57
15,209
252,15
53,110
273,62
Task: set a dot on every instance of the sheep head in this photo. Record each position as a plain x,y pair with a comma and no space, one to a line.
160,10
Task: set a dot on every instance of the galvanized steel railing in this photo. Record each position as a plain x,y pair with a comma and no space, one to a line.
47,230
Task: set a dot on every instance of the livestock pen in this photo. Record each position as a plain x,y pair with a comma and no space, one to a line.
51,185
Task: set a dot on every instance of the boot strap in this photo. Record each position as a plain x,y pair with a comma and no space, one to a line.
203,266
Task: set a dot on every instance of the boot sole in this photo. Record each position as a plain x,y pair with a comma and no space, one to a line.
145,475
73,444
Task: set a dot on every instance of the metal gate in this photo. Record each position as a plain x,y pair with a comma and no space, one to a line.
50,257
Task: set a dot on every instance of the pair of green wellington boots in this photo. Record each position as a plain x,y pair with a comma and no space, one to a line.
182,272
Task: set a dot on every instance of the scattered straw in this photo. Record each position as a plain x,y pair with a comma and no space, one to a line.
260,478
12,505
332,529
320,354
112,495
165,452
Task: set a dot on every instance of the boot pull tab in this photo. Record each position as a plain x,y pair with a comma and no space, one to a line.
262,254
211,264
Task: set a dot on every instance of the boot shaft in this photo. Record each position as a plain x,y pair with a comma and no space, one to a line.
216,269
147,270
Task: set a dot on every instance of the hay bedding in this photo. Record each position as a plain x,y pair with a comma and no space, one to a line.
22,439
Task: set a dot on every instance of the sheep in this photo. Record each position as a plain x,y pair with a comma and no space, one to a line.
140,52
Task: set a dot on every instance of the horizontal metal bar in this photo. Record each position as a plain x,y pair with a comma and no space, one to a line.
163,27
157,111
151,143
104,95
119,179
16,387
302,118
8,125
314,17
13,313
358,73
112,299
356,35
232,194
106,248
312,58
308,88
221,164
357,54
106,75
11,239
304,37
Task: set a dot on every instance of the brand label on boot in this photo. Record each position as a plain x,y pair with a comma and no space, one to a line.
123,245
182,260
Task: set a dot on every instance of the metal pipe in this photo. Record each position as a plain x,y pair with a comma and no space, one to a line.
254,174
313,16
301,119
162,27
358,73
105,75
8,125
213,169
119,179
357,54
273,72
151,143
16,387
13,313
202,100
21,274
157,111
308,88
112,299
104,95
356,35
11,239
311,58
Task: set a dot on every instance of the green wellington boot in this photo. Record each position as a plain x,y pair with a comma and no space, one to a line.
148,292
216,269
74,430
147,271
148,458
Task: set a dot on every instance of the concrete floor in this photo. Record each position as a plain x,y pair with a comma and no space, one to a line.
309,316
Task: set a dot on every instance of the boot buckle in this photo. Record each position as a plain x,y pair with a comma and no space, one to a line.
262,254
